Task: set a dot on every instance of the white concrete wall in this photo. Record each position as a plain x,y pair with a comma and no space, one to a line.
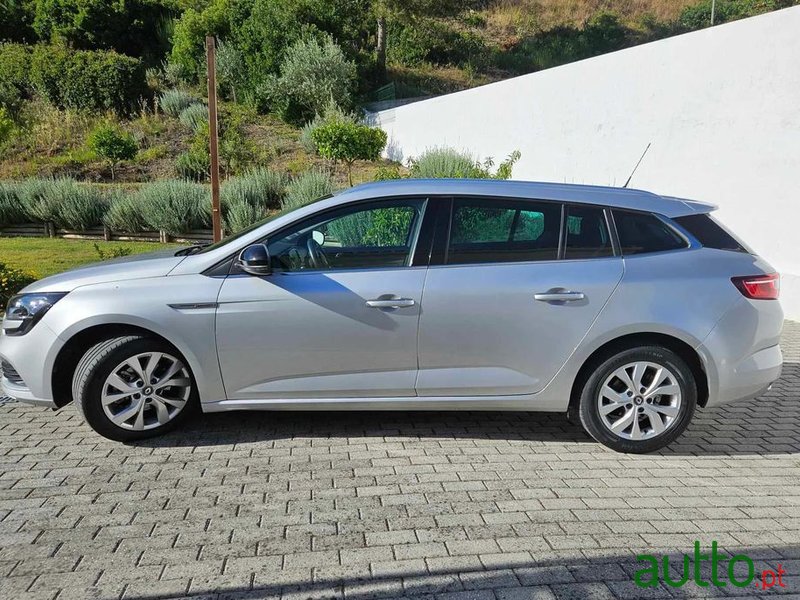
721,108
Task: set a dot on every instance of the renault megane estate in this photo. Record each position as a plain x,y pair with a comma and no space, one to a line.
625,309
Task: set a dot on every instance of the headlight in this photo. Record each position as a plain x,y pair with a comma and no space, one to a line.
25,310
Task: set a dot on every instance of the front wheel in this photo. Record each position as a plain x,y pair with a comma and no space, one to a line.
638,400
133,387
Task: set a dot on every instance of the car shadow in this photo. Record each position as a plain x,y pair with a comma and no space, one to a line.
768,425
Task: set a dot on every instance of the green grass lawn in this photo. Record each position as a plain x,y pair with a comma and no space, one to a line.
45,256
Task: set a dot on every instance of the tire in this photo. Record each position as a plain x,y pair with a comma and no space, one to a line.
152,410
630,420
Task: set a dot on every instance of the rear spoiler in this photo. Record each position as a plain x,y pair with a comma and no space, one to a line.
693,207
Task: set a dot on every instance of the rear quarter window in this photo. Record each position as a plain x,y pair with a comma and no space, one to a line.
710,233
642,233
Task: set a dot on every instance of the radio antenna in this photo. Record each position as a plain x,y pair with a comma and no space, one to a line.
637,165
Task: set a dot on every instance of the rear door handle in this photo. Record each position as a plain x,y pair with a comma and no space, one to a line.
390,303
559,296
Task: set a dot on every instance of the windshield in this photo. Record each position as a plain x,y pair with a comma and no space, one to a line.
256,225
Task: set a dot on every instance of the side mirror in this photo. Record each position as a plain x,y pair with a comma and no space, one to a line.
254,260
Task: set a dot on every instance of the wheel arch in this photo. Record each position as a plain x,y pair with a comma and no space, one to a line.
632,340
76,346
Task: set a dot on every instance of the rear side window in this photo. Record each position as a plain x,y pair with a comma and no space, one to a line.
587,233
486,231
640,233
710,233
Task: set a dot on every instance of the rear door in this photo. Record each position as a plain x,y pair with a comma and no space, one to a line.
518,284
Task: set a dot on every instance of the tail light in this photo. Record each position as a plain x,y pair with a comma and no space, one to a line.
759,287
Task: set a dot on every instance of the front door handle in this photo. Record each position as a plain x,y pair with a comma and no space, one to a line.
559,296
390,303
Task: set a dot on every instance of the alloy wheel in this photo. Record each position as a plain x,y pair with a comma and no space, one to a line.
640,400
146,391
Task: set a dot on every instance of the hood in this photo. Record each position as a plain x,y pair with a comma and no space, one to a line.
140,266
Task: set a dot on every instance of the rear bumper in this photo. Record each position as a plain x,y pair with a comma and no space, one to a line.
742,355
32,356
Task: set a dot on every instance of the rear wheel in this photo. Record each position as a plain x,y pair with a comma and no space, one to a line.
133,387
638,400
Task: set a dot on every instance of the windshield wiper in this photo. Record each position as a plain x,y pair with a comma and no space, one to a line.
191,249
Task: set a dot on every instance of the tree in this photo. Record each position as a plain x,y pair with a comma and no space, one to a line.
386,11
113,144
348,142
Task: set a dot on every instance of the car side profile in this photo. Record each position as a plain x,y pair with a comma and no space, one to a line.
625,309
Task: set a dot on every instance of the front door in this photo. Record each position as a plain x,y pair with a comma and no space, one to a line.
338,316
521,285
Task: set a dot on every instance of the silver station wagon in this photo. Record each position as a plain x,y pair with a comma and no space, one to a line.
624,309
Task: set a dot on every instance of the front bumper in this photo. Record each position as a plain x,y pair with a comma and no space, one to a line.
32,356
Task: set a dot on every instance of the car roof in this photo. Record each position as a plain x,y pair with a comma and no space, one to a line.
566,192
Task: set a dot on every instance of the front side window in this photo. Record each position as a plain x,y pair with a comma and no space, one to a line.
372,235
640,233
486,231
587,233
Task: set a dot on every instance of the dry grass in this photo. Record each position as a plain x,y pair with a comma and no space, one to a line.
518,17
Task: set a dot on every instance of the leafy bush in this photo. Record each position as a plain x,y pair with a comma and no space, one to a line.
385,173
347,142
87,80
15,84
125,213
332,112
194,116
438,163
312,74
426,40
175,206
189,37
11,282
306,188
113,252
698,16
113,144
11,209
173,102
195,163
6,126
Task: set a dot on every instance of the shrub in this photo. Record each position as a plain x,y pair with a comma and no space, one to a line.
11,282
39,200
113,252
112,144
332,112
11,209
426,40
312,74
195,163
385,173
174,101
194,116
175,206
87,80
437,163
79,206
15,84
258,187
125,213
306,188
347,142
6,126
239,214
62,201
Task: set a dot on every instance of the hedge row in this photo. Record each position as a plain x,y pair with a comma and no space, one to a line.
78,79
174,206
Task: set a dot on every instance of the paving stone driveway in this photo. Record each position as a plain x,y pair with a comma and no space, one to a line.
362,505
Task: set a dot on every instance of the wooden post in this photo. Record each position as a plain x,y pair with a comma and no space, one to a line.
216,221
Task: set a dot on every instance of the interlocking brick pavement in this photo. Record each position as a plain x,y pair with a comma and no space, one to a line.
447,506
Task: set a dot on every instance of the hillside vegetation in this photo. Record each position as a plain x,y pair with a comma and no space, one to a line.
114,92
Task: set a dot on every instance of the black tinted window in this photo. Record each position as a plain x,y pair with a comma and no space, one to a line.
587,233
484,231
709,233
640,233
